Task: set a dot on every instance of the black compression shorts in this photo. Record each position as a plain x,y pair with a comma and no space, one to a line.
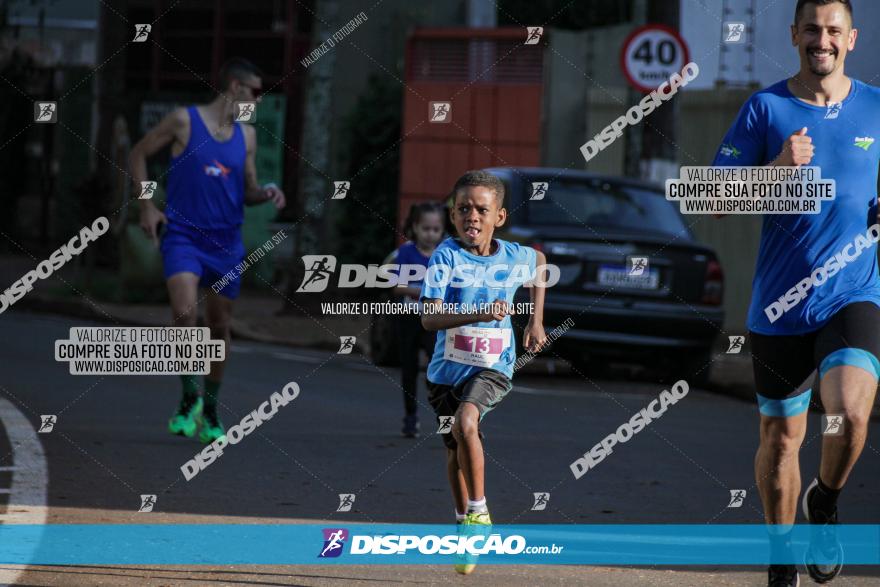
783,364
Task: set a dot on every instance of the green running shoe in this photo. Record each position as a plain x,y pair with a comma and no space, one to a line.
473,524
211,427
477,519
185,421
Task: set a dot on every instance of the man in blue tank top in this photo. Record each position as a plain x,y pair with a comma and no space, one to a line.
212,176
815,306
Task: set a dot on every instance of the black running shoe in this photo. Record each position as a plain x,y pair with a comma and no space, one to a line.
783,576
824,545
410,426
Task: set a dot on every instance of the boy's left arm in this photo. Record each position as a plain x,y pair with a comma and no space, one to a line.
535,338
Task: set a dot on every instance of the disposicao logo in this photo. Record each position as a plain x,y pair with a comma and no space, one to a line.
832,266
864,142
394,544
319,269
334,541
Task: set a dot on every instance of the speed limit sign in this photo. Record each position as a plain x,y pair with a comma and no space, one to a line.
651,54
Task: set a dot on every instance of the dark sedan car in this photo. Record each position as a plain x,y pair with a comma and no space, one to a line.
632,278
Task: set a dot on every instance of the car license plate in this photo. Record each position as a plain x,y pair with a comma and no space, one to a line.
619,276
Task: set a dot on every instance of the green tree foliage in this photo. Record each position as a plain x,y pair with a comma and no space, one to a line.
367,228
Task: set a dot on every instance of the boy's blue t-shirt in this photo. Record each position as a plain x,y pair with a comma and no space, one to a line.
464,351
794,246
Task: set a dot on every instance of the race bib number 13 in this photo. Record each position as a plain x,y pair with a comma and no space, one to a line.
480,347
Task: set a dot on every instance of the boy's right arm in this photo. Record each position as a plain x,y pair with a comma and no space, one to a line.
169,129
436,320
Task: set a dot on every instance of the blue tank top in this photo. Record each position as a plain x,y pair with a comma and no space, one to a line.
206,181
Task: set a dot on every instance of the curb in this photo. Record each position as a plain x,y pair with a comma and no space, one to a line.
80,309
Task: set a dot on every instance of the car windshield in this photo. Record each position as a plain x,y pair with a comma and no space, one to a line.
607,205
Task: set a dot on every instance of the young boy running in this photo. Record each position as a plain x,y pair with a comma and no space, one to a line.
471,369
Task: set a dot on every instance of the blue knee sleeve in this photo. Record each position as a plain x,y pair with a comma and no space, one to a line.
853,358
785,408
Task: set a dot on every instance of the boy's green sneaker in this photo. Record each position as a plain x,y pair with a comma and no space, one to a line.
477,519
185,421
211,427
473,524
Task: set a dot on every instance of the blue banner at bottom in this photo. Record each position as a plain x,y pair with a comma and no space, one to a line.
298,544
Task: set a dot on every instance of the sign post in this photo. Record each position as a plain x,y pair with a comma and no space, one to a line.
651,54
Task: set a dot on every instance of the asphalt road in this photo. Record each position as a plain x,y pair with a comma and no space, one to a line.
110,445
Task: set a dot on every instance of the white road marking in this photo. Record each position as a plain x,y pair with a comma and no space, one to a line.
538,391
29,490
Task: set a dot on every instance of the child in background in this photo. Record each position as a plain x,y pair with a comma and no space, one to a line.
424,228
